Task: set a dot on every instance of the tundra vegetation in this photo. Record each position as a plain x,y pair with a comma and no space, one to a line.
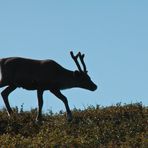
95,126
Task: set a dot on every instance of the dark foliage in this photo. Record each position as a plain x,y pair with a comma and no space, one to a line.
114,126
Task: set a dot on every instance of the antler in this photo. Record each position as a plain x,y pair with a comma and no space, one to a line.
82,61
75,58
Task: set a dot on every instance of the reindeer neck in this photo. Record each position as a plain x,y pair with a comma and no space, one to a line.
68,80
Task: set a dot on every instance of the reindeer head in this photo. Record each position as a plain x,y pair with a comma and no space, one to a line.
81,76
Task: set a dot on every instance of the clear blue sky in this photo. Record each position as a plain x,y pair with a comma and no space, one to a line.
112,34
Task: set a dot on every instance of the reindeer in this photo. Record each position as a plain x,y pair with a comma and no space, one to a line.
42,75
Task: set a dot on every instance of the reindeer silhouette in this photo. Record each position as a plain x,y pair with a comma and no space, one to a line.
42,75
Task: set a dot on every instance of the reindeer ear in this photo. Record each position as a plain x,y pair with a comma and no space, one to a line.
76,73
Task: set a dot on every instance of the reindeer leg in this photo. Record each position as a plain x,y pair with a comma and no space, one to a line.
5,93
59,95
40,104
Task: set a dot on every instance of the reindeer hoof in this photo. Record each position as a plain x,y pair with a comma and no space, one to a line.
10,113
38,119
69,117
39,122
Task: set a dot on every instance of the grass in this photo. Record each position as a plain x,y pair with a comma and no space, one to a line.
114,126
